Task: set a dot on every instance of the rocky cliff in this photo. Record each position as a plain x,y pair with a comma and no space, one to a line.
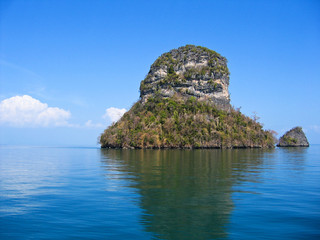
294,138
185,103
189,71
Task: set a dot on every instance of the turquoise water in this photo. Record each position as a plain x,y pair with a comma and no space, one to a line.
89,193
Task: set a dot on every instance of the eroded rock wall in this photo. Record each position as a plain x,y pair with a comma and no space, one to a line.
189,71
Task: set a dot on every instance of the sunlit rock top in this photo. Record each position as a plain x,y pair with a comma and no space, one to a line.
189,71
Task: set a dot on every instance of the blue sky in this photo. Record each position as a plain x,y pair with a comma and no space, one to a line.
73,60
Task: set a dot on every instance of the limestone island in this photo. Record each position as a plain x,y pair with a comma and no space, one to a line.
294,138
185,103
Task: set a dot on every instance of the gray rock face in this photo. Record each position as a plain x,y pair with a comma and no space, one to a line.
189,71
294,138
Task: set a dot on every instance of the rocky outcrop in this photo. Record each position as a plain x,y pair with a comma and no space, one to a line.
185,103
189,71
177,123
294,138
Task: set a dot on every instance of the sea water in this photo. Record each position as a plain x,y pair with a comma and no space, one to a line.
92,193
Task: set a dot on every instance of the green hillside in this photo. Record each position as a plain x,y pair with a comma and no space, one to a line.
178,123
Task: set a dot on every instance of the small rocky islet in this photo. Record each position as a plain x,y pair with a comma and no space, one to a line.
185,103
294,138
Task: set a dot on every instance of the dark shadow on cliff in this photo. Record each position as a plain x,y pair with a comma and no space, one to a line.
185,194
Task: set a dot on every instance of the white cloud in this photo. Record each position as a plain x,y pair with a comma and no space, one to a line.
114,114
89,124
27,111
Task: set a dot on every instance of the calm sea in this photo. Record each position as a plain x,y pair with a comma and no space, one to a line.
89,193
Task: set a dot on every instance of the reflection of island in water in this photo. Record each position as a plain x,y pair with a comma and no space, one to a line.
186,194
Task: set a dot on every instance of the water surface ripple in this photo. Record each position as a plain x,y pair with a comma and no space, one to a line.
90,193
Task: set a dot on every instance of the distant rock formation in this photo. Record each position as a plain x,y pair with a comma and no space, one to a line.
190,71
294,138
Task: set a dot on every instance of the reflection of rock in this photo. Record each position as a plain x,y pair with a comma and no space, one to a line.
186,194
294,138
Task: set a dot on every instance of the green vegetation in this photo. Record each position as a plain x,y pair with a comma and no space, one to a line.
194,48
178,123
171,77
289,140
164,59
